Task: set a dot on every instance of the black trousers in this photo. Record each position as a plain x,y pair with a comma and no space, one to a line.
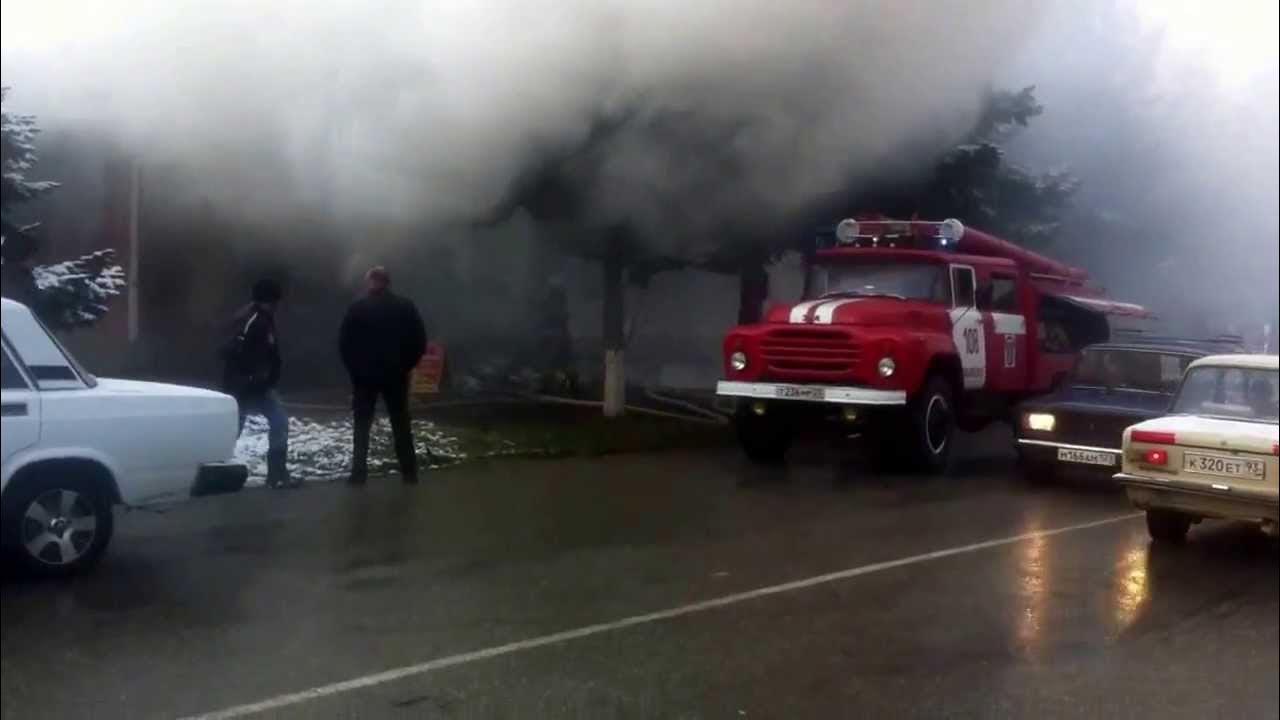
364,400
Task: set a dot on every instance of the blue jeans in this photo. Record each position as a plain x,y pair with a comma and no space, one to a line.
268,405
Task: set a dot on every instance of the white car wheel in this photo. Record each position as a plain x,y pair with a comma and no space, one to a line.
59,525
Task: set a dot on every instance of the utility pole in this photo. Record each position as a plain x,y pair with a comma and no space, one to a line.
135,240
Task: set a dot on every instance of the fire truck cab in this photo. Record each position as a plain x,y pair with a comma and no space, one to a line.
907,331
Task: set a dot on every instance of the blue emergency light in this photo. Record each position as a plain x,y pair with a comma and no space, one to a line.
903,234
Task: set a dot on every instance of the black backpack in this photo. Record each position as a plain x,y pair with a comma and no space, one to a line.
240,372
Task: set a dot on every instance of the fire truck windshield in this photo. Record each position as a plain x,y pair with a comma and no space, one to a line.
898,280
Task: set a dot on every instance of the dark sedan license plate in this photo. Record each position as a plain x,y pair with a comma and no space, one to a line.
800,392
1086,457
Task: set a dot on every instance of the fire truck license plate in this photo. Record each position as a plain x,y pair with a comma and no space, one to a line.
1087,457
800,392
1224,466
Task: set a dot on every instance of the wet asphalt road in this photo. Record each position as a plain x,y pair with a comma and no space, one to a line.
256,596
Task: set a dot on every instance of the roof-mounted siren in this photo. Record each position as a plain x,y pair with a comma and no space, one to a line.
847,232
916,234
949,233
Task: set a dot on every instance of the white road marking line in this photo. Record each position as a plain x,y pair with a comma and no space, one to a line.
387,676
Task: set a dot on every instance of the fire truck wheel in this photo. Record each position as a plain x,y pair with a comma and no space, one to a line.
764,440
933,425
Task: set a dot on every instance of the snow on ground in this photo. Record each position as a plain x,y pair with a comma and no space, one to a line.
321,449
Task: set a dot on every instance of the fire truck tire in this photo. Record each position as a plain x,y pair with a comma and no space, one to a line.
932,421
764,440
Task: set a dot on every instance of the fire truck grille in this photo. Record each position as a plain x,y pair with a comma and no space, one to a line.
809,350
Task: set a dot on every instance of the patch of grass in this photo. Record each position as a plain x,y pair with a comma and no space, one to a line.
585,436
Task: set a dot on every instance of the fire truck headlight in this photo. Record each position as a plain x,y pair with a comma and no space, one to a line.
1042,422
886,367
738,360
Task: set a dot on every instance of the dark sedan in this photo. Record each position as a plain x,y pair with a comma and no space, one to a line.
1115,385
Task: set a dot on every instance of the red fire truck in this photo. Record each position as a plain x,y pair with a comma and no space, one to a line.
909,330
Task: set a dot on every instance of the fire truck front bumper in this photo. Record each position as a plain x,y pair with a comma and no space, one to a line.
832,394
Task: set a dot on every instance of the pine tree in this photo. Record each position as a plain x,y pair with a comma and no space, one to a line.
67,294
976,182
973,181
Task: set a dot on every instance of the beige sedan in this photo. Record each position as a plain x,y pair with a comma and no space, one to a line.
1215,454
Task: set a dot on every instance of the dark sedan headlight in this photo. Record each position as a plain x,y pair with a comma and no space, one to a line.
1039,421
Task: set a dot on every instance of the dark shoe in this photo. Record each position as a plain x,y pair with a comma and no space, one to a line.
410,479
278,470
357,479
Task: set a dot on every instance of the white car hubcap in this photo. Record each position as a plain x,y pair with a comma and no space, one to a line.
58,527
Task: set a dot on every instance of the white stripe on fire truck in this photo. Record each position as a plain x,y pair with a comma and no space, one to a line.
826,312
800,313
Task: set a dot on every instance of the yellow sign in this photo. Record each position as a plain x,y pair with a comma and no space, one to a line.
426,376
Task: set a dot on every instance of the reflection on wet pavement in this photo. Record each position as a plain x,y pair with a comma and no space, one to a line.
1032,582
1130,589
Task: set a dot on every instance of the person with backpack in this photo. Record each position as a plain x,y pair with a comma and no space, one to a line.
381,340
252,370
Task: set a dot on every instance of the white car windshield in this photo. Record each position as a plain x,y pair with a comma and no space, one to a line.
1230,392
904,281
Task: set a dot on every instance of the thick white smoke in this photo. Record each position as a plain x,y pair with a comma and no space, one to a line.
424,112
1176,147
419,114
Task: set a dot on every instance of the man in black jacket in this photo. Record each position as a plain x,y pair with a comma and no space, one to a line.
381,340
252,370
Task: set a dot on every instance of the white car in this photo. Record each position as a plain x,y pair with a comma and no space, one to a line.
1215,455
76,445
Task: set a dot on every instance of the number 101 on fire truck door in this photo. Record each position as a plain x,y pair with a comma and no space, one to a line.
966,327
